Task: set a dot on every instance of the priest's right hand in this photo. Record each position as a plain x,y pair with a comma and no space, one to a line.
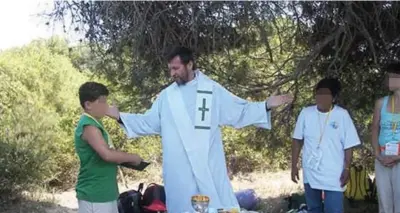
113,111
278,100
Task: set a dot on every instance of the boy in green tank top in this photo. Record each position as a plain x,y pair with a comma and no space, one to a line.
97,188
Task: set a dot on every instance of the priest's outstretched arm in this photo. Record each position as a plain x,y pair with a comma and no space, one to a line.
239,113
136,125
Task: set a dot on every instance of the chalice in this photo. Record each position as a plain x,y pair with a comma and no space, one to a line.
200,203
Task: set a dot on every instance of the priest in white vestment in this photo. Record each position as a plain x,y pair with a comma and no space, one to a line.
188,115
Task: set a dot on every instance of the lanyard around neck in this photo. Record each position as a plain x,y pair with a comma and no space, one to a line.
394,124
326,121
95,120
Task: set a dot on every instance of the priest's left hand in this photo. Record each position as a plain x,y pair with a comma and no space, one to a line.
344,178
275,101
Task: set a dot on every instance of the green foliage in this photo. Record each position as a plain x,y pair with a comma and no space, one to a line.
252,48
39,108
27,158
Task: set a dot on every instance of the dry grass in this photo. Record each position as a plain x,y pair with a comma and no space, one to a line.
272,188
36,202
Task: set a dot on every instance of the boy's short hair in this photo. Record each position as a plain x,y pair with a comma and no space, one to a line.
333,84
91,91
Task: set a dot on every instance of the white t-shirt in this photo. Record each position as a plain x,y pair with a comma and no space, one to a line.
340,134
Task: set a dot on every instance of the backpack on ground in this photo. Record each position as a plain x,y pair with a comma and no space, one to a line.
302,209
295,201
131,201
247,199
153,200
359,186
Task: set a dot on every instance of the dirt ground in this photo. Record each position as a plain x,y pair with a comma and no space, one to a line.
271,188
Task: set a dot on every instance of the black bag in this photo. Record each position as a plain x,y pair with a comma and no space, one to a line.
131,201
296,201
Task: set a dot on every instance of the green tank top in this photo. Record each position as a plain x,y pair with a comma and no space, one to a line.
97,179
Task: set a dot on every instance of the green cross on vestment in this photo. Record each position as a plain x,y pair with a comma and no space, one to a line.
203,109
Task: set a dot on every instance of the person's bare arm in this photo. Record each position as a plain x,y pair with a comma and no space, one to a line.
297,144
348,156
376,127
296,148
344,178
95,139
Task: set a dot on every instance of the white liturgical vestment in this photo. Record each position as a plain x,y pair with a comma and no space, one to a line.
188,118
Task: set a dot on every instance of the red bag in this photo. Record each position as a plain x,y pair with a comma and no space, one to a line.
153,199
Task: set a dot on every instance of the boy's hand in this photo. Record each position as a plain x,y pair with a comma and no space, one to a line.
113,111
344,178
295,174
136,159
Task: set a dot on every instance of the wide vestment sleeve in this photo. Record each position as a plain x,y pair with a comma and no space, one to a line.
136,125
239,113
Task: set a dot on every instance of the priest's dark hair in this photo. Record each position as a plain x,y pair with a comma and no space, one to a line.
91,91
184,53
393,67
332,84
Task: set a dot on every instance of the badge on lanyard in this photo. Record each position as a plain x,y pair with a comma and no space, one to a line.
392,148
314,160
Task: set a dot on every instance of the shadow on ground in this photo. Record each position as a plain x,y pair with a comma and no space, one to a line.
361,207
281,205
273,205
32,206
268,205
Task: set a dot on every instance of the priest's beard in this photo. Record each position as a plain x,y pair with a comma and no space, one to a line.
183,78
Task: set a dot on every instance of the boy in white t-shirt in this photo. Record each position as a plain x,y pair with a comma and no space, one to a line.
327,133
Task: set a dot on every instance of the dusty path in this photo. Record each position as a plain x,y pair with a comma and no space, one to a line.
66,201
270,187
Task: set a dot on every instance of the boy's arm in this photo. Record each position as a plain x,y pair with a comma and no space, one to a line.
95,139
297,145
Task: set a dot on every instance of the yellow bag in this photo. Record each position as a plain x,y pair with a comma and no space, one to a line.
358,187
